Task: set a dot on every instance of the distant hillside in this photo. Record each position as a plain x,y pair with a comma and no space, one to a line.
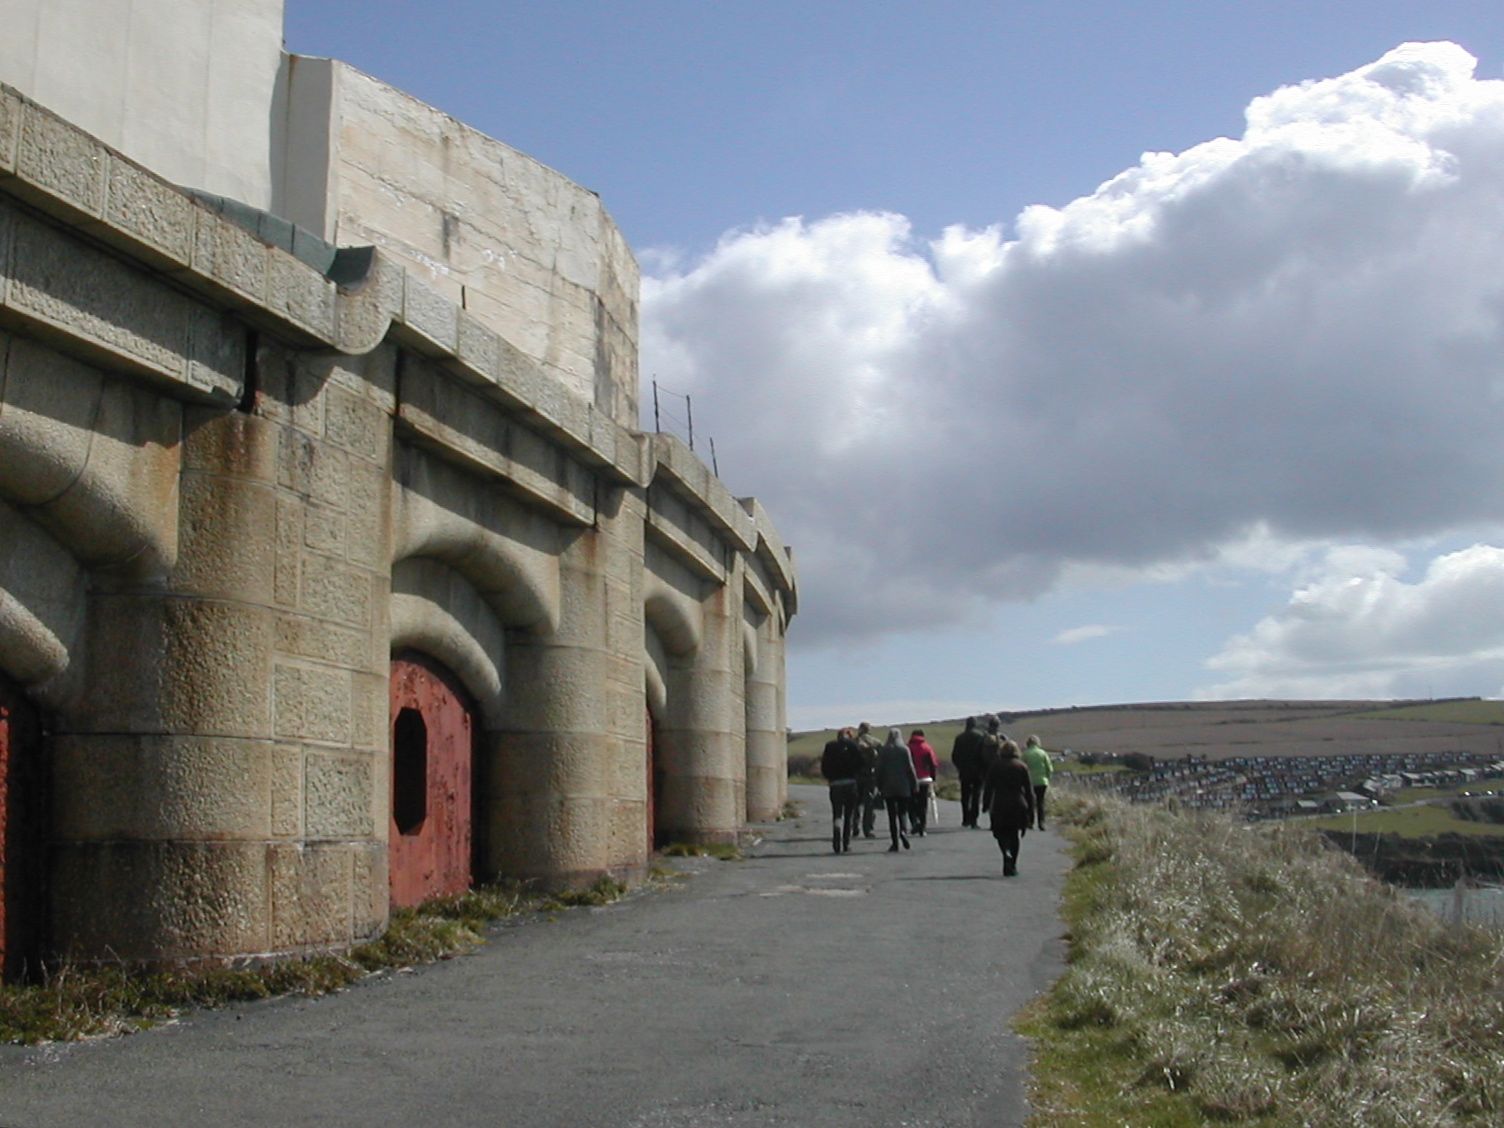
1221,729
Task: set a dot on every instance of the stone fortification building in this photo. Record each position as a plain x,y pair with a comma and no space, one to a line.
334,572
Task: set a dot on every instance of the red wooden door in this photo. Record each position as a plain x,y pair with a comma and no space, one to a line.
430,852
21,805
652,787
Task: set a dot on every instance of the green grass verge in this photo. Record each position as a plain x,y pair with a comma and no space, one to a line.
75,1002
1220,973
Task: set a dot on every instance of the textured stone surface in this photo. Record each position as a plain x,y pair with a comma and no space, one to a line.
61,159
161,788
159,901
151,211
338,796
212,540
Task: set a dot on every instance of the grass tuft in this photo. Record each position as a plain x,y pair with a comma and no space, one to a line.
725,851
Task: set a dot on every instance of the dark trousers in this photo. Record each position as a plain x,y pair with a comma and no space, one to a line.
919,808
1039,790
869,801
842,814
971,800
897,809
1008,842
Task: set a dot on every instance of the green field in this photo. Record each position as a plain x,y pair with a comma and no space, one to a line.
1424,821
1472,711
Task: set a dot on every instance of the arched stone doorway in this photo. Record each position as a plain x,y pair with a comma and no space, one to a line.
21,831
431,848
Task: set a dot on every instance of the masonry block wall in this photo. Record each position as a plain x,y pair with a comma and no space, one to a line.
318,596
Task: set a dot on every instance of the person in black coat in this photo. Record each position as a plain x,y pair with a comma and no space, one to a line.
1012,807
966,755
840,764
991,750
867,797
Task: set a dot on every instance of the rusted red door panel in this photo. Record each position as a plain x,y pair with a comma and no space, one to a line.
433,755
652,787
20,830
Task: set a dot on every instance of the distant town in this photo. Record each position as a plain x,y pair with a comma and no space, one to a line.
1279,786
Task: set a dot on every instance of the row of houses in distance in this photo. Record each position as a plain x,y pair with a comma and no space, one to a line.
1275,786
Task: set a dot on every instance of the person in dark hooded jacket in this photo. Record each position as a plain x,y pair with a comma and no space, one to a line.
966,755
839,764
1012,807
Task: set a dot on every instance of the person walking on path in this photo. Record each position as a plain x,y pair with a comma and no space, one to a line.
897,783
966,755
866,779
1012,807
1037,760
991,749
839,764
926,768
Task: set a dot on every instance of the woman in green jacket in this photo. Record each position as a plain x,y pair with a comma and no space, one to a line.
1037,760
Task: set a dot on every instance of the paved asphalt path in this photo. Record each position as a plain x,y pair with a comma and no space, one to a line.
798,987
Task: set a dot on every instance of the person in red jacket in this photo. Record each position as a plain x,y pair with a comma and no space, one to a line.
927,770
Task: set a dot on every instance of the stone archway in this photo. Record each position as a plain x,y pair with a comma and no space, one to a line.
431,847
21,831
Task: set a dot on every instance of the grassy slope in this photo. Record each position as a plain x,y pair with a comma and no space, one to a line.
1227,974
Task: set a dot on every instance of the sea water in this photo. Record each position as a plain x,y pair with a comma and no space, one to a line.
1481,905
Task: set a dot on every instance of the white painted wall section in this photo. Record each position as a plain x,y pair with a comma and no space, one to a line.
185,87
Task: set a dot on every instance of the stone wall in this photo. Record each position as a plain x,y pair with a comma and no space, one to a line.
231,491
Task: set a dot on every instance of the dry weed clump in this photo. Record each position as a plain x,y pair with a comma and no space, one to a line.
1227,973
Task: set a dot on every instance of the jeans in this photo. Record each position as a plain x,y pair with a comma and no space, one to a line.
869,801
897,809
1039,790
919,807
842,814
971,800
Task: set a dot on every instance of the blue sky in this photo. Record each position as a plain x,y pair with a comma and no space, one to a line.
1220,427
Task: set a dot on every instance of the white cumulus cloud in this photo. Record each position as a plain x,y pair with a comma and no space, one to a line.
1295,336
1358,629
